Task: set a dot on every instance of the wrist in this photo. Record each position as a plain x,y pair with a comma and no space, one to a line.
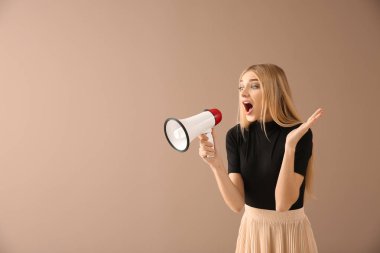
289,147
217,168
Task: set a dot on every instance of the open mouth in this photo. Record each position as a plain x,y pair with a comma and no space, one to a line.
248,107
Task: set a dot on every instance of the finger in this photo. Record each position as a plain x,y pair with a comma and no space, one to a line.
203,155
319,115
205,148
202,137
207,143
214,137
314,116
207,154
316,112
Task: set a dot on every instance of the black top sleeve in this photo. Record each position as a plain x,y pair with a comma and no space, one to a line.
303,153
232,148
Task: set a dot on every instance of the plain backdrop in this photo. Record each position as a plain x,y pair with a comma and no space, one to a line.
85,88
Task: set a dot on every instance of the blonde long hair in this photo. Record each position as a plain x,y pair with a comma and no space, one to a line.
277,99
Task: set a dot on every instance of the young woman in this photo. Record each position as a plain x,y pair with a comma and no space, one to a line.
270,163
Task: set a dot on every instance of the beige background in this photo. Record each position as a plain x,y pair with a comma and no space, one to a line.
85,87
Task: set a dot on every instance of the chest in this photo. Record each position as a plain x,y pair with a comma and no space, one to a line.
261,157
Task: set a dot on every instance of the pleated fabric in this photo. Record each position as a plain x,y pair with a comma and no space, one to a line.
270,231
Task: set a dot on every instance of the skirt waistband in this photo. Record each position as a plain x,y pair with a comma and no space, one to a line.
273,215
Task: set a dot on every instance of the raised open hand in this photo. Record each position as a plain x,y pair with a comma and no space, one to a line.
295,135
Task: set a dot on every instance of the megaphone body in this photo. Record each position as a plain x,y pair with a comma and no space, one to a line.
180,132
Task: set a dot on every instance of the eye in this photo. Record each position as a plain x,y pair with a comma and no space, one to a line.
254,86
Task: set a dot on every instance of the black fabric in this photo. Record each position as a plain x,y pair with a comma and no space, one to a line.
259,160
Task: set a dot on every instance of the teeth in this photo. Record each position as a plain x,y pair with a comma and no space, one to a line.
247,103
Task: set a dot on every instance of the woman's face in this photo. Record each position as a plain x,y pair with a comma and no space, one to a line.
251,95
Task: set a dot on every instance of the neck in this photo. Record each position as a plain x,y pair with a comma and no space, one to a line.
266,121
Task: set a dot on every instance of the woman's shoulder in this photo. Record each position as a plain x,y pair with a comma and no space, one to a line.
234,132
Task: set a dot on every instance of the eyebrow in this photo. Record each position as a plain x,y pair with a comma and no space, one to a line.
250,80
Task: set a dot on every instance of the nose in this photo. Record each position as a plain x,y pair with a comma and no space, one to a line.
244,92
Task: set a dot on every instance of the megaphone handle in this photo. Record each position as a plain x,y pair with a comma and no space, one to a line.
209,135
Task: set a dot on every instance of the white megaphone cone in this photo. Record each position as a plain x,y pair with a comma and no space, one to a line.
180,132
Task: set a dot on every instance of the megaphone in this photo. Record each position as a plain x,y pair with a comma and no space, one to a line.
180,132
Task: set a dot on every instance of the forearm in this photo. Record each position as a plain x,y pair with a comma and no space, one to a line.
230,193
286,192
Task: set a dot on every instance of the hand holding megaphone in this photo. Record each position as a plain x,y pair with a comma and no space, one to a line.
207,145
208,150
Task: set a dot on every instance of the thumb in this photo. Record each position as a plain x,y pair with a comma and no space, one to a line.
213,137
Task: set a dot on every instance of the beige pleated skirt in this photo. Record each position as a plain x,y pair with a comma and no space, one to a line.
270,231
